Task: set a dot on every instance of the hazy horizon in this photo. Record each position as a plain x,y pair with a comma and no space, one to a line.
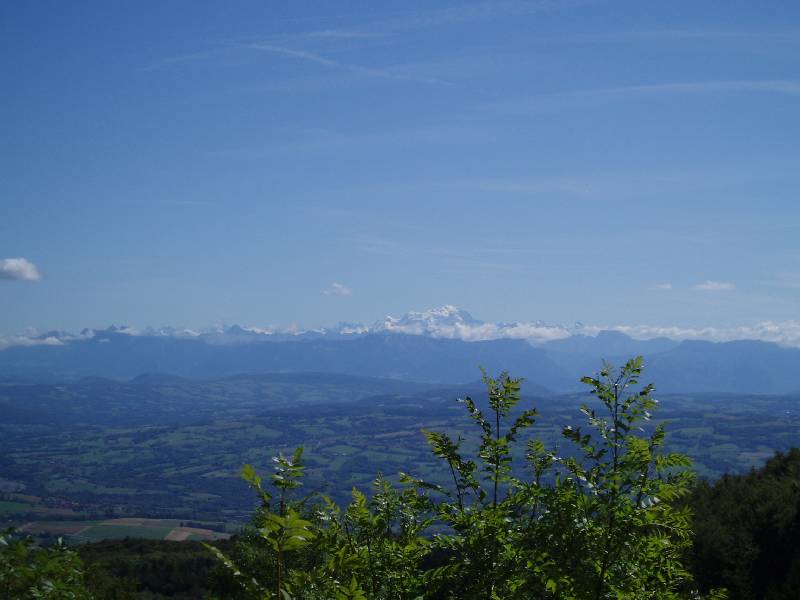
447,322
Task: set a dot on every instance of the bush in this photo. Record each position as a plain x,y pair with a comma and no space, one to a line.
27,572
600,522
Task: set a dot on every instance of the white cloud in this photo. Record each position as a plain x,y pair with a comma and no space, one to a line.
452,323
18,340
18,269
714,286
661,286
337,289
533,332
785,333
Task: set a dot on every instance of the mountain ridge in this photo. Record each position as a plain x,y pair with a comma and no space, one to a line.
744,366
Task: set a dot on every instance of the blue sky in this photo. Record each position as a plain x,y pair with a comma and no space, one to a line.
188,163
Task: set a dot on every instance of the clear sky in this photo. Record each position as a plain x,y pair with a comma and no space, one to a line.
187,163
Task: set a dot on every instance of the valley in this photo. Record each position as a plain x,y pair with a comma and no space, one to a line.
171,448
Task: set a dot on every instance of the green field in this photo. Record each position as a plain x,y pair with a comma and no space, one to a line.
79,532
9,507
174,451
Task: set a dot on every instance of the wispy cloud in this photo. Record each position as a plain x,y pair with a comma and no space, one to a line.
408,21
18,269
181,59
661,286
538,185
192,203
337,289
581,98
714,286
780,86
612,37
326,140
342,34
313,57
475,11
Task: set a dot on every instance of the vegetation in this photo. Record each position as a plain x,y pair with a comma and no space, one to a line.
511,513
602,522
173,449
747,531
152,569
29,573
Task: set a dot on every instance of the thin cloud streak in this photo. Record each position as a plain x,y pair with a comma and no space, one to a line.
335,64
341,34
464,13
182,59
714,286
581,98
677,34
332,140
781,86
478,11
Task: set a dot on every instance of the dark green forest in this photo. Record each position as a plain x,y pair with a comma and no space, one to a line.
607,511
747,531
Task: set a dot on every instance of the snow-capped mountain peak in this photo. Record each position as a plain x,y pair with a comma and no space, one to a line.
428,322
447,321
452,322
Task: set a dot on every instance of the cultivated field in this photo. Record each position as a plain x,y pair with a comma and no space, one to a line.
116,529
173,450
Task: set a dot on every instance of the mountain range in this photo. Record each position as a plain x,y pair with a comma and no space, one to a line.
445,345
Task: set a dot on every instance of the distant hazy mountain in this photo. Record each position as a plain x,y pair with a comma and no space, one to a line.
414,358
747,366
411,357
430,346
609,344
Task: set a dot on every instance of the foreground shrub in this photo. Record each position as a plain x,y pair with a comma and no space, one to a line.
599,520
27,572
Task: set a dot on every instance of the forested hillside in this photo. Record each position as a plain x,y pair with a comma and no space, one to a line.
747,531
615,516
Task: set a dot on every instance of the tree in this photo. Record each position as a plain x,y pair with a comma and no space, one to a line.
748,531
27,572
596,520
